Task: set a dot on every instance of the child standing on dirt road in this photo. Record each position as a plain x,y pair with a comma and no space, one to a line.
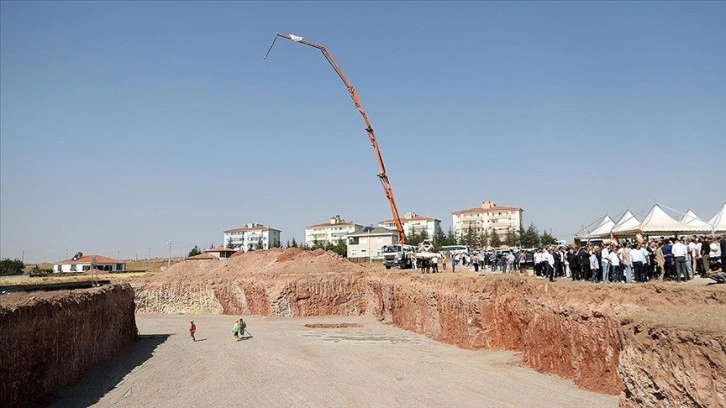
192,330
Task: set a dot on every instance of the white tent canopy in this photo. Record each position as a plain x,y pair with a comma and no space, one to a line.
626,223
603,229
604,223
659,222
690,218
718,222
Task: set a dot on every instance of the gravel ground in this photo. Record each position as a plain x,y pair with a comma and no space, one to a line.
288,364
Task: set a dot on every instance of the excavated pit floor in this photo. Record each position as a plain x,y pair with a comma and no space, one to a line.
368,364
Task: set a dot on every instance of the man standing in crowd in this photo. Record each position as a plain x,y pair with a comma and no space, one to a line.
637,259
660,261
669,267
722,244
594,265
705,255
626,262
605,264
614,266
679,254
549,263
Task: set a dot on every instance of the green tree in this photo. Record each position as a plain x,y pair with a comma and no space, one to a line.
494,240
294,243
340,248
547,239
195,251
512,239
229,243
470,237
450,239
211,246
259,244
414,239
530,238
483,238
11,267
287,245
439,237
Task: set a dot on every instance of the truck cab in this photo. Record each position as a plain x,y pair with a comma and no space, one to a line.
397,255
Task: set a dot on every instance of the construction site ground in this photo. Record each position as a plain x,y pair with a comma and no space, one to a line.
286,363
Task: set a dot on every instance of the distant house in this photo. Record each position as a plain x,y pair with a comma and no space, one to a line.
368,243
250,236
331,232
414,224
213,253
82,263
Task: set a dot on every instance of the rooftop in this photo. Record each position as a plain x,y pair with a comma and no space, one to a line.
87,259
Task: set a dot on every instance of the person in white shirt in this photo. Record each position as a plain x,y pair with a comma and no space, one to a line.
604,255
692,256
614,266
637,259
549,262
679,254
593,266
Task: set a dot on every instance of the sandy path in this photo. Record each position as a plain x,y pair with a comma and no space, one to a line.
288,364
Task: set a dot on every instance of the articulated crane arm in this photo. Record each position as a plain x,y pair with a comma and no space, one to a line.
382,168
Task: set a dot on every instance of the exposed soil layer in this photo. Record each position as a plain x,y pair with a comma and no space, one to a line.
49,340
589,333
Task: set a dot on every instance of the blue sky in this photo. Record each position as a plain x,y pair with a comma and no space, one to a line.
126,125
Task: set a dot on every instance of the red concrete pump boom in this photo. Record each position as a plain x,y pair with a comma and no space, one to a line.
382,168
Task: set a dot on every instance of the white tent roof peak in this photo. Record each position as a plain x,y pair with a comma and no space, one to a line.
626,223
603,230
586,232
690,218
718,222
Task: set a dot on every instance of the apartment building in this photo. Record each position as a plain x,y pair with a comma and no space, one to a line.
413,224
250,236
331,232
487,217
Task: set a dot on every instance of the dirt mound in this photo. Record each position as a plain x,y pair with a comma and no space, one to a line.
292,261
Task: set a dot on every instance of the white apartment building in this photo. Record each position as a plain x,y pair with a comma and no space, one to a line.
248,237
331,232
487,217
413,224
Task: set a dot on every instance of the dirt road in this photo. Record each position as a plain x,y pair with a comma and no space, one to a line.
288,364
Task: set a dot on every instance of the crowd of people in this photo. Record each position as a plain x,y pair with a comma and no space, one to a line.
678,259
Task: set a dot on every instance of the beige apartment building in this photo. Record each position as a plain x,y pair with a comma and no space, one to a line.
413,224
331,232
487,217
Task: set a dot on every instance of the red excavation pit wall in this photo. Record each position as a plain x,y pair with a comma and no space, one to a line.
49,340
579,331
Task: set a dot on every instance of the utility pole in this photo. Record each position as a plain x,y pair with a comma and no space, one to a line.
118,256
66,253
149,253
168,265
22,257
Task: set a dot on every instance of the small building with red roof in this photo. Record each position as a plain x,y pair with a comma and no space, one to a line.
82,263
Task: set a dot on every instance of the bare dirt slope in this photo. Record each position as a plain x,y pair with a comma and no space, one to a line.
288,364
